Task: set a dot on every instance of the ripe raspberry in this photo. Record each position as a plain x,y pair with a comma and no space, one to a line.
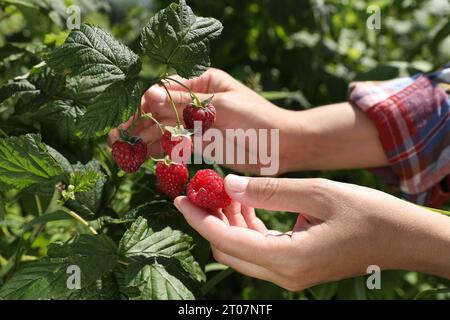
169,142
129,156
171,178
206,115
206,190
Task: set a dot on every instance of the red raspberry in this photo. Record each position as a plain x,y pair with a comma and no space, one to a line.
206,190
169,142
129,156
206,115
171,178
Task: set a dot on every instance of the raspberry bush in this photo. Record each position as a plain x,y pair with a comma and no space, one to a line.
115,226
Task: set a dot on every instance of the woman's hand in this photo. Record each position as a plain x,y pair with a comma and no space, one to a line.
238,107
337,136
340,231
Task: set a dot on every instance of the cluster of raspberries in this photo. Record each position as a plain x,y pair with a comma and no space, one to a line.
205,189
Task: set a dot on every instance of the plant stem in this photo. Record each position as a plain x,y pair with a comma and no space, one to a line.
80,219
215,280
123,263
38,204
447,213
173,104
51,207
196,98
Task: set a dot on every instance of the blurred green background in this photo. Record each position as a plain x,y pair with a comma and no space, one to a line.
298,53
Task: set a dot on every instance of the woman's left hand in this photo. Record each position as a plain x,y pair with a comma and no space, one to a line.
341,230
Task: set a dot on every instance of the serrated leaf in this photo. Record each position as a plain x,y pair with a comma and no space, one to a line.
24,161
88,202
47,278
44,279
18,88
162,213
58,120
112,107
60,159
90,51
95,255
83,90
46,80
141,241
84,181
177,38
106,288
155,282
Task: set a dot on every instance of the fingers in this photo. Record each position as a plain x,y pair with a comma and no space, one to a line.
158,103
294,195
252,221
212,81
199,84
242,243
243,266
234,215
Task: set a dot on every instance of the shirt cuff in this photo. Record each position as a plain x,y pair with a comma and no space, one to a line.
412,119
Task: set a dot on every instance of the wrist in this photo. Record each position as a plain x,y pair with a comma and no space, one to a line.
297,142
425,243
432,245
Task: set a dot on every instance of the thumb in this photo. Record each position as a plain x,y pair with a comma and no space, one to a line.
310,196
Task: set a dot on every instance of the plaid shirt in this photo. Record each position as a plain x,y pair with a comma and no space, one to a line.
413,123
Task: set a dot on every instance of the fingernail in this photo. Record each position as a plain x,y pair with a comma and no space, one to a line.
156,94
177,205
236,184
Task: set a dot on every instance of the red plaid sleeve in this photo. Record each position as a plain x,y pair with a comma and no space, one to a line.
413,123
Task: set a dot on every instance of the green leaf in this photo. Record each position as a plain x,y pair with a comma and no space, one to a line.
18,88
90,51
112,107
155,282
58,120
177,38
54,216
24,161
87,200
106,288
44,279
84,180
60,159
83,90
162,213
46,80
95,255
47,278
141,241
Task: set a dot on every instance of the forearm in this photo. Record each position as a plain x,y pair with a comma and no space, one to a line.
337,136
429,245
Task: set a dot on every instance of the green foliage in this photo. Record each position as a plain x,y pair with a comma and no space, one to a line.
24,161
54,117
177,38
97,54
111,107
37,280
